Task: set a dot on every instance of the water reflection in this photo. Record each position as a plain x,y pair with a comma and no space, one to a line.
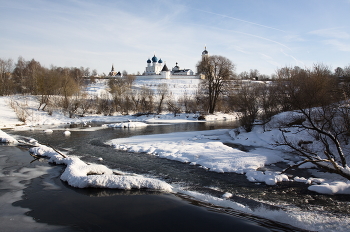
103,192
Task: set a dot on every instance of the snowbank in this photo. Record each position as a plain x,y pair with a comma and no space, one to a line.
207,150
268,138
33,117
8,117
270,178
5,138
335,187
127,125
199,148
309,220
81,175
180,118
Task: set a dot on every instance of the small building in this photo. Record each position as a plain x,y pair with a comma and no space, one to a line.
113,73
184,72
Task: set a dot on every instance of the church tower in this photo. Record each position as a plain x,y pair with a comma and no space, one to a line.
205,53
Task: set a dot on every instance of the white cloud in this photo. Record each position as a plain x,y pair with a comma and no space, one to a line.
269,60
337,33
297,62
345,47
245,21
239,48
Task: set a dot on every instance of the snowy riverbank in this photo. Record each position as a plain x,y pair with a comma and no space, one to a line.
204,149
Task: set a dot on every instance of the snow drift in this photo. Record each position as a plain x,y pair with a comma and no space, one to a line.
5,138
81,175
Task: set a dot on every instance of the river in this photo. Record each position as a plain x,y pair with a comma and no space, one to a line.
142,210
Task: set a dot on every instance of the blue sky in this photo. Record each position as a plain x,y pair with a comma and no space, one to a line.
254,34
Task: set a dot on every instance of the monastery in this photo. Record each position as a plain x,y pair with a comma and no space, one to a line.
155,69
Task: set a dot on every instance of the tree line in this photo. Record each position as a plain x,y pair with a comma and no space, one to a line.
319,95
221,90
28,77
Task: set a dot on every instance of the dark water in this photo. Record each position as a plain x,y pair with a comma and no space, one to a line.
117,210
90,145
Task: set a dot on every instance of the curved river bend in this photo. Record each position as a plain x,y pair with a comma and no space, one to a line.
132,208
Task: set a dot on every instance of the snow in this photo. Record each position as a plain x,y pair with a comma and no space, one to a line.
202,148
8,117
5,138
207,150
81,175
227,195
127,125
177,87
335,187
308,220
48,131
270,178
267,138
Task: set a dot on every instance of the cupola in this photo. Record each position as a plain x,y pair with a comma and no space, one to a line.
205,52
154,58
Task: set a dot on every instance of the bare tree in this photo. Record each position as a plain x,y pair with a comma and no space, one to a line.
136,99
48,84
254,74
244,75
174,106
328,128
130,79
33,71
246,101
67,87
147,100
120,88
162,91
346,71
19,74
338,72
216,69
6,81
268,101
187,103
322,115
124,73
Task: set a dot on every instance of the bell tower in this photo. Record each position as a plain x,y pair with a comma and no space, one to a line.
205,53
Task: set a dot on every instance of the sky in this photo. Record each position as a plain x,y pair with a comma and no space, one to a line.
254,34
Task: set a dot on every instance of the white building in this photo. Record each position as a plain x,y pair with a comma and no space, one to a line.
155,69
181,72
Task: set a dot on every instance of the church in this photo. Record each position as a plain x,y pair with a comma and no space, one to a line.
155,69
113,73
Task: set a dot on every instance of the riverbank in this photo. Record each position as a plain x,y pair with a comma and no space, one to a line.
208,151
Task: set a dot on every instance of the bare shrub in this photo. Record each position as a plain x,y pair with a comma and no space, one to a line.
20,109
313,94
